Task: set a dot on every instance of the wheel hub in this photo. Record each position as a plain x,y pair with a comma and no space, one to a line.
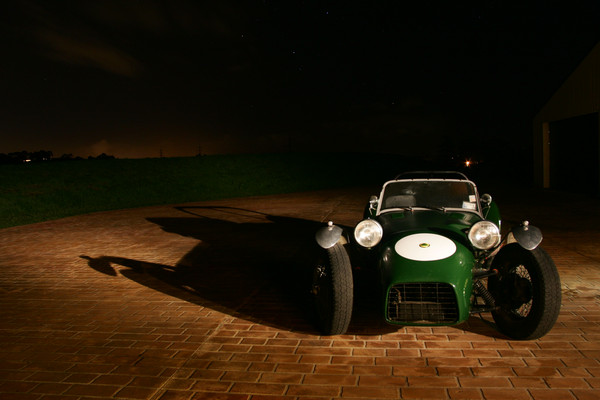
318,275
520,290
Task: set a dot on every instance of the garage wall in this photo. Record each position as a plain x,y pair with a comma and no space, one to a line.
570,123
574,155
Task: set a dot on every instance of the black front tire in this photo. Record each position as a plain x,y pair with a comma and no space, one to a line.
333,290
526,291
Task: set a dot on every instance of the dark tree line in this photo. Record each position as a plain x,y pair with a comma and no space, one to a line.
43,156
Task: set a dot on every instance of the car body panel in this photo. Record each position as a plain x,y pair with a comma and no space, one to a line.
491,212
451,263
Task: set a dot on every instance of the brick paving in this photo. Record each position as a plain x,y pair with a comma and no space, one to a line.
205,301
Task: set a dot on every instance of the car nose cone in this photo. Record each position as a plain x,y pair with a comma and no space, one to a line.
425,247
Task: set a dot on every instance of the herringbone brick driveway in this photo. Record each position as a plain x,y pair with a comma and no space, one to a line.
206,301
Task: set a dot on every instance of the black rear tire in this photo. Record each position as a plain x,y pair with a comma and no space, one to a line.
526,291
333,290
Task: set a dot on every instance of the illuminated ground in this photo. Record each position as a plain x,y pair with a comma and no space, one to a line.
204,301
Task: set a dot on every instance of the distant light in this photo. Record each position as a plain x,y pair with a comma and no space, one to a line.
27,160
467,163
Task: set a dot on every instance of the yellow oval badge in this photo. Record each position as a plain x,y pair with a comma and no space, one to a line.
424,245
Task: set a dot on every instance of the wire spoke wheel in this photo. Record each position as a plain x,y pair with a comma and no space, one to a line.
526,291
332,290
523,297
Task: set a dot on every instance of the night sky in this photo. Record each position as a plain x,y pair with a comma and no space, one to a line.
175,78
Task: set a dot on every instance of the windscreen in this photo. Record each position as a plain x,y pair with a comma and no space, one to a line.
429,194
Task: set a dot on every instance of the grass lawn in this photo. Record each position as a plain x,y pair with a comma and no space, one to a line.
43,191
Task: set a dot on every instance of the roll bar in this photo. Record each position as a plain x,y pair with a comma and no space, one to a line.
432,175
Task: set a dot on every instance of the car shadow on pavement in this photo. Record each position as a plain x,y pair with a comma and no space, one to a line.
246,264
249,265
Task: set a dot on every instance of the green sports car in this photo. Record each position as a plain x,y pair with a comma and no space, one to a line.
436,248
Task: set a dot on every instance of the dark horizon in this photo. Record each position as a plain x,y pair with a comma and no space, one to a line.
144,79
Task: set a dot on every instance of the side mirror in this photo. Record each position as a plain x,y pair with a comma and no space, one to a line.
490,209
486,199
373,202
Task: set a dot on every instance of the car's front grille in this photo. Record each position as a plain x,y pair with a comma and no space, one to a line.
427,303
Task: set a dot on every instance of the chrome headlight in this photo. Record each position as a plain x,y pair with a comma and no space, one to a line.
368,233
484,235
